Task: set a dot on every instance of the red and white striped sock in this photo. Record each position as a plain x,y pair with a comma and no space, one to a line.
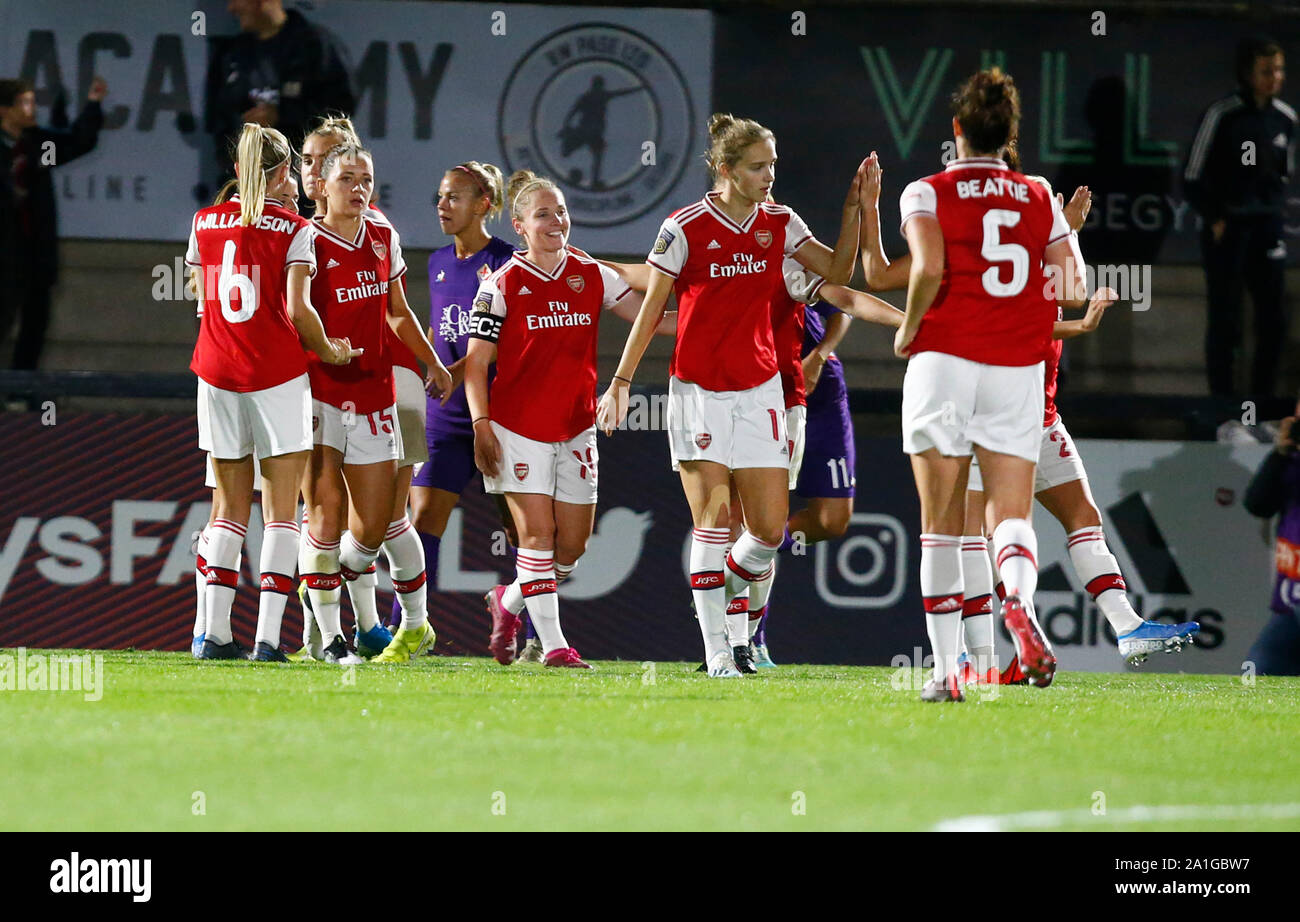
709,586
977,602
941,596
747,563
1099,572
201,585
738,619
225,541
407,566
1015,547
318,562
279,556
357,564
512,600
761,588
536,569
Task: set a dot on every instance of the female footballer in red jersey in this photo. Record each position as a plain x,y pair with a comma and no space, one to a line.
1060,481
408,385
723,257
356,433
287,199
534,432
978,328
254,261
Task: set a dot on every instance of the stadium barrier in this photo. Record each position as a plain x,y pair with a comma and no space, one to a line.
98,511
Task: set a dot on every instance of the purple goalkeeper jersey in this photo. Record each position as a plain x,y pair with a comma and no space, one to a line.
452,285
831,390
1286,547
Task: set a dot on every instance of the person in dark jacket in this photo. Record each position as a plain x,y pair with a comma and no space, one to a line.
29,234
1275,490
280,71
1236,175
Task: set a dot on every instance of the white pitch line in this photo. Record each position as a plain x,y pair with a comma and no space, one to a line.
1143,813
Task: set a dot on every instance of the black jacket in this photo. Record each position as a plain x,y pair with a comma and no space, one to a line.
300,69
1216,181
35,250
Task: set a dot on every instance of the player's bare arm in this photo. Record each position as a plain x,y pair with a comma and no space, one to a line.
487,450
308,323
925,241
863,306
881,273
816,359
1068,329
402,321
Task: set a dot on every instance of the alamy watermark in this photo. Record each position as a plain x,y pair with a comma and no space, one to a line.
75,672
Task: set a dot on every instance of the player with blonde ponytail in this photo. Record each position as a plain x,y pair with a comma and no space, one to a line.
723,257
253,260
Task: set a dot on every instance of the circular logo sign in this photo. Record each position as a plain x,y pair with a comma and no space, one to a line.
604,112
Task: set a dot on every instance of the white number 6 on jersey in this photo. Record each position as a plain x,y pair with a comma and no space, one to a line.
229,279
994,252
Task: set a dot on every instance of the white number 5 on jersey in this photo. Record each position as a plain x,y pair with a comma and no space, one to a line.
229,279
995,252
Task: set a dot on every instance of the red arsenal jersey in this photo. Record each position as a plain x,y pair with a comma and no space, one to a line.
799,289
545,325
727,276
993,305
1054,350
398,351
246,340
351,294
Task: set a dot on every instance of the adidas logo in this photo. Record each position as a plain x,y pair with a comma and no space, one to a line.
714,245
524,291
332,263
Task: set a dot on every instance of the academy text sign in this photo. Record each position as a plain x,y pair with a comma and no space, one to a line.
612,103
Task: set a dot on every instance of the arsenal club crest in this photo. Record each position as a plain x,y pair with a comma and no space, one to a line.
484,272
576,282
703,440
521,471
380,250
764,238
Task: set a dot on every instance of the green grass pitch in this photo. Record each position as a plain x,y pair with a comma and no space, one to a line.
452,743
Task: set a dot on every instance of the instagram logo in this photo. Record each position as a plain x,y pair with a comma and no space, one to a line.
867,568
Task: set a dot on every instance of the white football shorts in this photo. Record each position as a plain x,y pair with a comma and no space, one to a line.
951,403
412,405
564,470
363,438
737,429
270,422
1058,461
796,424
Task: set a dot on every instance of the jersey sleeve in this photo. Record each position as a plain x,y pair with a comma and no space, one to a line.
488,312
796,233
192,250
192,260
803,285
396,262
302,249
917,198
1060,227
615,289
670,251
